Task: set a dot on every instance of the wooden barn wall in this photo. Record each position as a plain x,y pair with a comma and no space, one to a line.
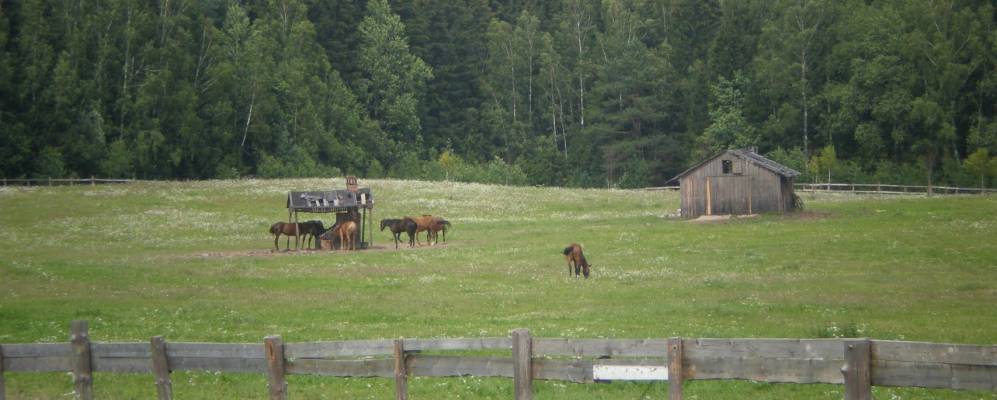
729,192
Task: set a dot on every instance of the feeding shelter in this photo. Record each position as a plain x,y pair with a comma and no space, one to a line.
736,182
351,204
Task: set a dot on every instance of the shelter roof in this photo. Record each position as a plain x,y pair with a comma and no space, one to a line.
330,201
748,155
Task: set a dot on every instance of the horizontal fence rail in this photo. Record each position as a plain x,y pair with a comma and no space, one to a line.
856,363
60,181
889,189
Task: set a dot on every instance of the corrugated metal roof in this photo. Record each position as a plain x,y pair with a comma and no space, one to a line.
330,201
746,155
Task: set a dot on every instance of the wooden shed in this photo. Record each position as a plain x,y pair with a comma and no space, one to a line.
736,182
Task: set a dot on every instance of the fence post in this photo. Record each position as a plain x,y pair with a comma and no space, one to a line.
675,376
522,363
161,368
3,384
858,377
274,348
401,371
82,372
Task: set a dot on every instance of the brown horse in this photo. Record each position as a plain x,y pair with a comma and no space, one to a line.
288,229
347,231
573,254
421,224
438,224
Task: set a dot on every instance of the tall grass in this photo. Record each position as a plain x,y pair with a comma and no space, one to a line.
191,261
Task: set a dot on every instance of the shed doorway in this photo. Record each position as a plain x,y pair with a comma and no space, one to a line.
728,195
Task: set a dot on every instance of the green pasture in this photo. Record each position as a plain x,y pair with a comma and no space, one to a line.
191,261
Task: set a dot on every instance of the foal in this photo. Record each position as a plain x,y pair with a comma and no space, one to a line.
573,254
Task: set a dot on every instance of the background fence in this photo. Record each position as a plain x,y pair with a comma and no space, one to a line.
871,188
856,363
889,189
53,181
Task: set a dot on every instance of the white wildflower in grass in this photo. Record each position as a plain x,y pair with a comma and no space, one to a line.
193,261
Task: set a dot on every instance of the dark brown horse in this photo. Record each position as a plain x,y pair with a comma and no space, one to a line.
313,228
397,226
573,254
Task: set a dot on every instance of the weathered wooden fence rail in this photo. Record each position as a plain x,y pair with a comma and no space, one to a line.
889,189
856,363
59,181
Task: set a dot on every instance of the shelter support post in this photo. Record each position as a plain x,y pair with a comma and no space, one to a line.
297,235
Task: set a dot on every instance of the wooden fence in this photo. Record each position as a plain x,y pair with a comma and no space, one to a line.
63,182
889,189
856,363
871,188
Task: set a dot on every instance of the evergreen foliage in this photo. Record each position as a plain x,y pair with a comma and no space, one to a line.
620,93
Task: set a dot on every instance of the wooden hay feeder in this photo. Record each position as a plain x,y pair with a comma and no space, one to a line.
353,204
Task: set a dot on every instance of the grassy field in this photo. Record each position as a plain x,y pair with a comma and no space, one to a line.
191,261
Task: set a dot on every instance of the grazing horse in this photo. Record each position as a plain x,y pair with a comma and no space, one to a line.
438,224
421,224
573,254
347,231
397,226
311,230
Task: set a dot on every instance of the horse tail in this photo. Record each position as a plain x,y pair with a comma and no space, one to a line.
567,250
275,228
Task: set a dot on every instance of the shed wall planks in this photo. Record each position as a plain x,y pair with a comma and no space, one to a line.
753,189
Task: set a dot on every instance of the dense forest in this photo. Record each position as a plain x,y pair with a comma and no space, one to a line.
619,93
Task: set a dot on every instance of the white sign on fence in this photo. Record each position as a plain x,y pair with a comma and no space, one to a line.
629,372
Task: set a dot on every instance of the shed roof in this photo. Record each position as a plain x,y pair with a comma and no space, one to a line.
330,201
747,155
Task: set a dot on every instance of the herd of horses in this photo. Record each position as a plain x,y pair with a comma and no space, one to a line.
310,231
346,232
413,225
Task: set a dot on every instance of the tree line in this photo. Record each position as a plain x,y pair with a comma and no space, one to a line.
619,93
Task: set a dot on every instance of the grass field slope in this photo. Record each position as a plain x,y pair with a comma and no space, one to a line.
192,261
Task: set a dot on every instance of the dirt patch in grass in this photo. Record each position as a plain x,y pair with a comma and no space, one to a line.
728,218
286,253
706,219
